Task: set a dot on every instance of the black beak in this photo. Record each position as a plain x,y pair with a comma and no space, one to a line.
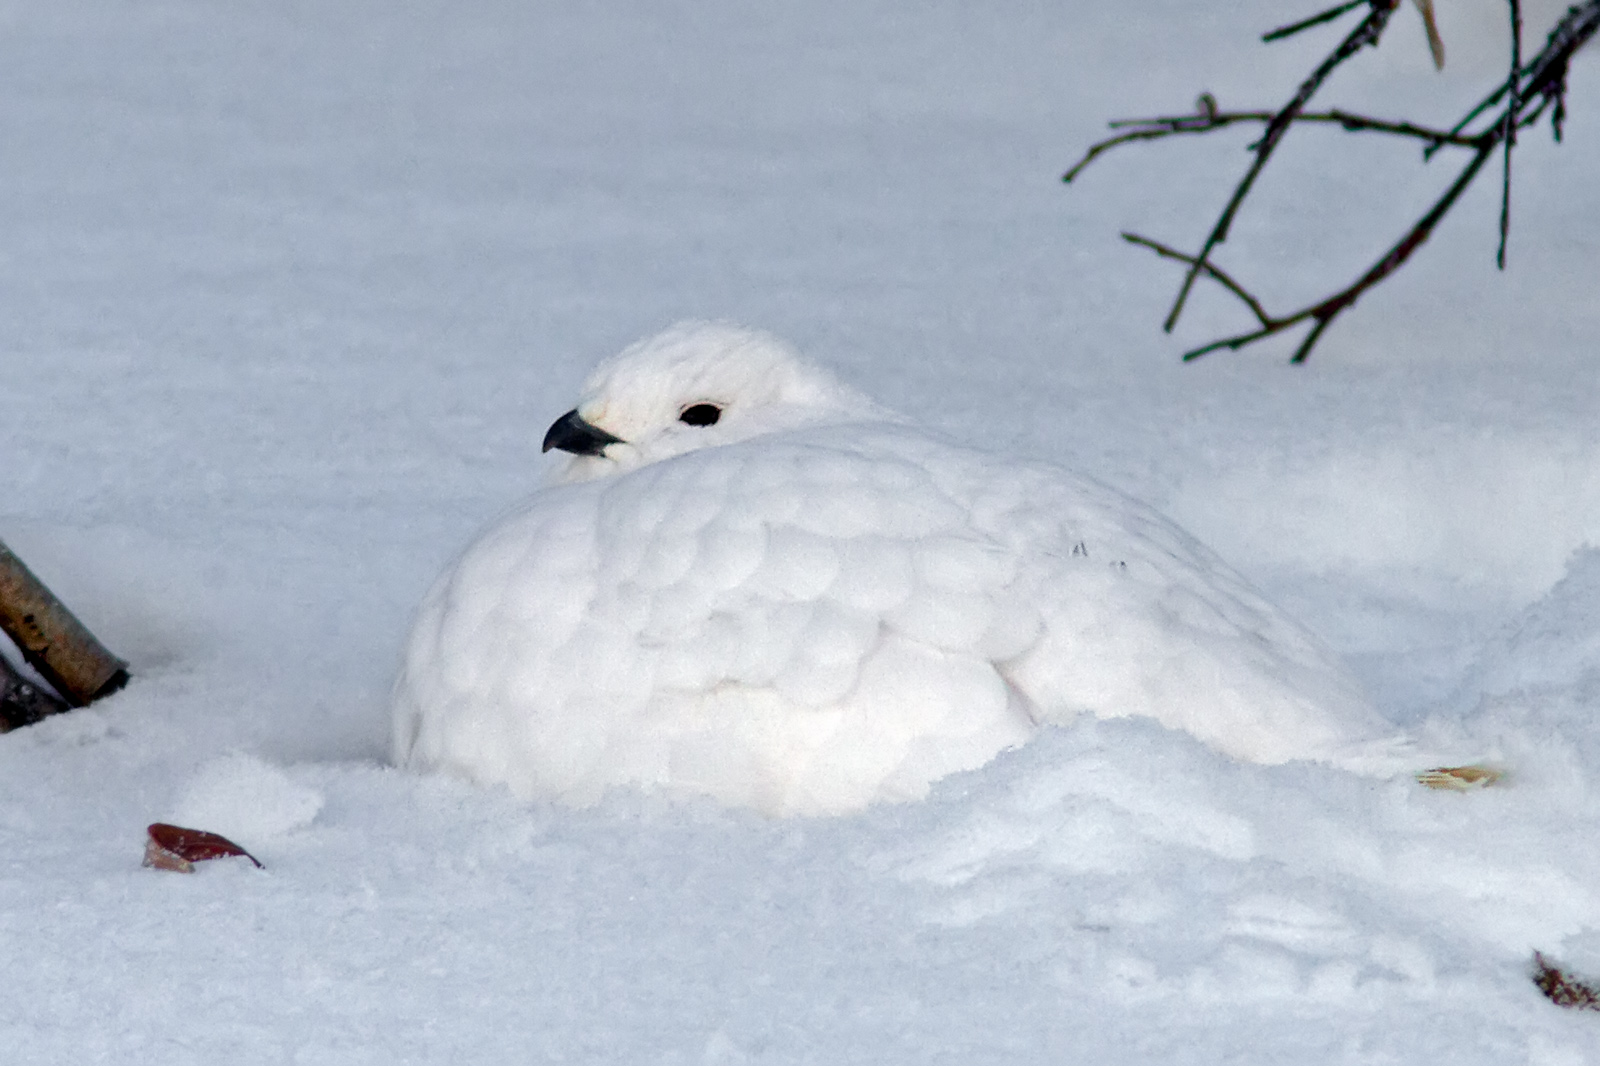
572,434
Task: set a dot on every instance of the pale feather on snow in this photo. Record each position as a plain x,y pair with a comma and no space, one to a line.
812,605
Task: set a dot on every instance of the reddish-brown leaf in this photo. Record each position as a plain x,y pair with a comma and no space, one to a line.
1563,989
172,847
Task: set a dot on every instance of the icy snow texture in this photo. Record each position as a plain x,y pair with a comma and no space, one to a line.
811,605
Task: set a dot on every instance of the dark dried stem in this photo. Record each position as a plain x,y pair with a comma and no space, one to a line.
1527,92
1545,75
1509,136
1205,121
1315,20
1212,271
1368,32
1325,311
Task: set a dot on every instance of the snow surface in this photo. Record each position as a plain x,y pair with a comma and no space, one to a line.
293,290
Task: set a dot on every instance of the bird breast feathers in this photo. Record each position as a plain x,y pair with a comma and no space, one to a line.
796,549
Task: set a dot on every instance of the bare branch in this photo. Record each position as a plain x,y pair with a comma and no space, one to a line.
1212,271
1204,122
1315,20
1326,310
1368,32
1513,107
1545,75
1155,128
1397,255
1525,94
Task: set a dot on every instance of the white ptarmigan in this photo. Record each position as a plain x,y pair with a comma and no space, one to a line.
757,585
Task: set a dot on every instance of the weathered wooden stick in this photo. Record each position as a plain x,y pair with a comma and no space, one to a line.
21,701
53,642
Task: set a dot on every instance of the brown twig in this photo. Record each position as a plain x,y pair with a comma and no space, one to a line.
1315,20
1212,271
1509,134
1545,75
1325,311
1528,90
1204,121
1368,32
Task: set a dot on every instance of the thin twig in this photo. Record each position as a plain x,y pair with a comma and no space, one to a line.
1315,20
1368,32
1325,311
1204,122
1211,269
1513,106
1545,75
1527,92
1397,255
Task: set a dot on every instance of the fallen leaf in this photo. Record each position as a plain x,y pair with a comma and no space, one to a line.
1460,778
172,847
1563,989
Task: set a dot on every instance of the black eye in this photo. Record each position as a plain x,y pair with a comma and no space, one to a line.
701,414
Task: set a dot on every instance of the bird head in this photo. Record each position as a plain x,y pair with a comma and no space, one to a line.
695,385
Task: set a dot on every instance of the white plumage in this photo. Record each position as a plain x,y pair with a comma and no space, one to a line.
759,586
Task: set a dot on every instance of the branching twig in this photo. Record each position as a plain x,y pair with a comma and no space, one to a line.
1326,310
1204,121
1368,32
1214,272
1545,76
1526,93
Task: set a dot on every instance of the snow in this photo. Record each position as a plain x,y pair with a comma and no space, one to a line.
242,796
293,291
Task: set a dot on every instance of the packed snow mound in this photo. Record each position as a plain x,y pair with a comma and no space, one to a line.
756,585
241,796
1529,700
1553,645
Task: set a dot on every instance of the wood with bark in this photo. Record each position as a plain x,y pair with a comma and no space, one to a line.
52,640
